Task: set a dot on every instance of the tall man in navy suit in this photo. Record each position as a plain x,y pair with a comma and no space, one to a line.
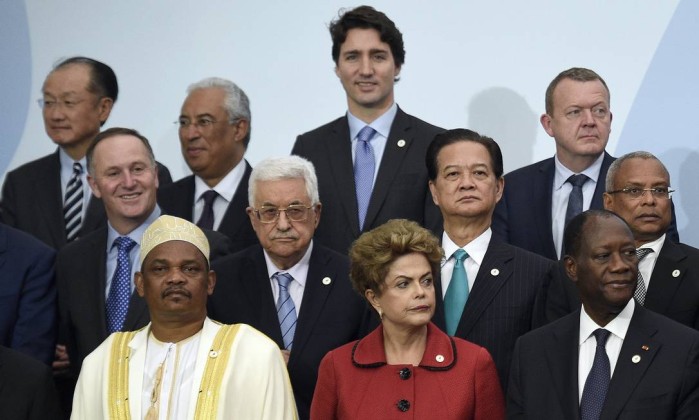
488,289
369,162
50,197
214,130
638,189
611,359
290,287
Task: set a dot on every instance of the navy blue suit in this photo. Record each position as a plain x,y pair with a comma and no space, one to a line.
28,311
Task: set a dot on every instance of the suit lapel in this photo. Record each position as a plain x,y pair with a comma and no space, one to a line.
597,200
562,357
627,373
663,282
314,296
257,287
543,187
393,156
494,272
235,215
47,185
340,155
95,285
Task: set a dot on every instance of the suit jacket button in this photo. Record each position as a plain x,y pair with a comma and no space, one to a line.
405,373
403,405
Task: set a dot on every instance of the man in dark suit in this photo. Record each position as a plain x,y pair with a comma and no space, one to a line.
613,358
487,290
27,391
325,312
95,273
369,162
638,190
27,295
214,130
50,197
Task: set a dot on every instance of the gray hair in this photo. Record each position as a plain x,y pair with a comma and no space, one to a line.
285,167
235,102
616,165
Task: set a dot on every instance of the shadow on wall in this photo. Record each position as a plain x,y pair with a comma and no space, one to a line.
505,115
684,172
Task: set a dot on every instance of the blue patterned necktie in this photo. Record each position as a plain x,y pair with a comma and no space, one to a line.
364,166
73,203
286,311
597,382
206,220
640,292
120,289
575,199
457,292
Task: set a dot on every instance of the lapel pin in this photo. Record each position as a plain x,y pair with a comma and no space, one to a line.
494,272
675,273
401,143
636,358
439,358
326,281
645,348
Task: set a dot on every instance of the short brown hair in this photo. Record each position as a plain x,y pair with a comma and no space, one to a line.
373,253
579,74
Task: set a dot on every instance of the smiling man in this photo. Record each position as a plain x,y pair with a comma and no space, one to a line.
488,289
611,358
214,130
290,287
369,162
182,365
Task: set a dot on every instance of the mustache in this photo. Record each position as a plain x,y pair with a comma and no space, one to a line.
170,290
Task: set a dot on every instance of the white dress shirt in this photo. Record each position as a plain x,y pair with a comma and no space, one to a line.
647,264
299,272
588,344
382,125
475,249
226,189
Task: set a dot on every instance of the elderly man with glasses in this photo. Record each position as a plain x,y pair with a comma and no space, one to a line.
290,287
638,190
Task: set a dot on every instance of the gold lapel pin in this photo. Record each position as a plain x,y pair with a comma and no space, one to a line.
645,348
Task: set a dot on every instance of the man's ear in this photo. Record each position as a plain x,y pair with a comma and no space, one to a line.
571,268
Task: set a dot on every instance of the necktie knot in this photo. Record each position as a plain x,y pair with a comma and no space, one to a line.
578,180
209,197
642,253
124,243
601,335
366,134
460,256
284,279
77,168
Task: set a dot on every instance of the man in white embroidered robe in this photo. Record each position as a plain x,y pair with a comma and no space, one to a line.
182,365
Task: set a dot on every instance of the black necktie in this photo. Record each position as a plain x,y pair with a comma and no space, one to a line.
597,382
206,221
575,199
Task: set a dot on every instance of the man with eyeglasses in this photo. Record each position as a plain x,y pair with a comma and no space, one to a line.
214,131
50,197
638,190
541,198
290,287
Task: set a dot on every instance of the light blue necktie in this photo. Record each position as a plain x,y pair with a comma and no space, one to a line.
286,311
597,382
457,293
364,166
120,289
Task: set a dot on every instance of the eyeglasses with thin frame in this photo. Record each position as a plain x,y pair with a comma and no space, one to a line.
635,192
294,212
49,104
200,123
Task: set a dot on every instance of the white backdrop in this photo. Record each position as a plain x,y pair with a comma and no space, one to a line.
481,65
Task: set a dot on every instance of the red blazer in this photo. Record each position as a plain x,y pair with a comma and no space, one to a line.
456,379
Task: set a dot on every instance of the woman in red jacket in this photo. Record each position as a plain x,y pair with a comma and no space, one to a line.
407,367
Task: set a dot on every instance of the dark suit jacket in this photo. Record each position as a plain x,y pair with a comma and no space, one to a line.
28,311
32,201
81,268
27,391
331,314
400,188
664,384
673,289
177,199
523,215
501,305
